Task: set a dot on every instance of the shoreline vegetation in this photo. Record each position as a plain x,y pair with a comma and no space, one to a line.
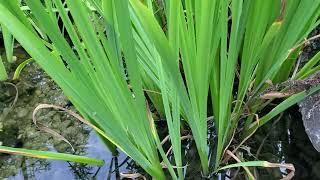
125,63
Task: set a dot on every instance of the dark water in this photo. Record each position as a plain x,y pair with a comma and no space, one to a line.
285,141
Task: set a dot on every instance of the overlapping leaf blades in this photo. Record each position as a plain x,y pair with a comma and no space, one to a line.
206,43
93,80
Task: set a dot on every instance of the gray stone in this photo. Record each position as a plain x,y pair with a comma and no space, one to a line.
310,110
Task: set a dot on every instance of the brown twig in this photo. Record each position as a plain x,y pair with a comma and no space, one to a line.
45,128
132,176
181,138
16,96
226,159
170,149
303,43
239,161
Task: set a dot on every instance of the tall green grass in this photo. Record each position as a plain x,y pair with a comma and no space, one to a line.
116,49
8,42
3,72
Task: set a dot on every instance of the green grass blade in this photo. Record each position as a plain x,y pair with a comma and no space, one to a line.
117,50
18,70
309,65
50,155
280,108
8,43
3,72
106,101
247,164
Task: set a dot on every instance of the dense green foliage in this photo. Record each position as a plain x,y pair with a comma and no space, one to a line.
115,49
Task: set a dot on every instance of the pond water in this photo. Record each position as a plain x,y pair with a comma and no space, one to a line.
64,170
18,130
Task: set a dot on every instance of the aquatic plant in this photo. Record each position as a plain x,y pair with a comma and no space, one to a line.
112,54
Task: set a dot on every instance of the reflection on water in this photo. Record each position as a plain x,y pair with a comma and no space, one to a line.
287,142
18,130
65,170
